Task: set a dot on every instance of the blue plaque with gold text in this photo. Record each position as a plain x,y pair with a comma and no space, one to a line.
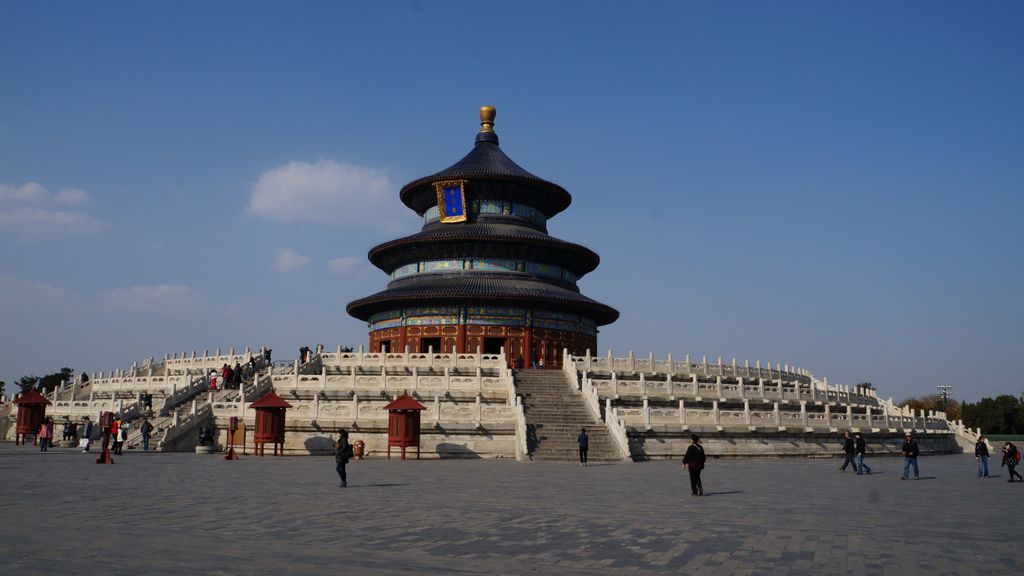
451,200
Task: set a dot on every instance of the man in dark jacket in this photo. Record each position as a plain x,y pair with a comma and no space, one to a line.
849,449
910,452
860,449
693,461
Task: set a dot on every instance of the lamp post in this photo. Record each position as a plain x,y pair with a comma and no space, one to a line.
944,391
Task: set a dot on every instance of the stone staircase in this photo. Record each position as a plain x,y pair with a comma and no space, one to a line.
555,412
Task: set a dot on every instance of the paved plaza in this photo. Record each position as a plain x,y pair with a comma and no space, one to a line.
180,513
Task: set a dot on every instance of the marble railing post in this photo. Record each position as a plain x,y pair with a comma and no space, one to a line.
828,415
718,385
696,385
777,415
704,365
760,386
746,411
803,411
615,383
650,362
867,416
682,413
669,385
647,415
715,413
632,362
849,415
671,367
743,391
643,384
721,369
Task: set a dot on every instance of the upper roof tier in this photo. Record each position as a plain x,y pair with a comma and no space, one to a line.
487,163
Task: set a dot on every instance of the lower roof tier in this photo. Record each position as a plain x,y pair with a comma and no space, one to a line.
487,290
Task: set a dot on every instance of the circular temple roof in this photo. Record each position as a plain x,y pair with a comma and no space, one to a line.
487,162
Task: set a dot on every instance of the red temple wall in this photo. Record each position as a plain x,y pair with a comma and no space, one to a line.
532,344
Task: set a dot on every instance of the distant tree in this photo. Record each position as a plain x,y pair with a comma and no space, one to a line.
1000,415
27,383
935,402
47,383
867,385
3,385
50,381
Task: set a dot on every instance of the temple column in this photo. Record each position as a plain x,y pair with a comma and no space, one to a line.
527,346
460,338
403,340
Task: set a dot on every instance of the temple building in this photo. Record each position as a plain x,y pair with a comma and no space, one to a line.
483,274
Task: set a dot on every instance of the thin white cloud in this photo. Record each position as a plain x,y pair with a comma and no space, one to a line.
343,265
325,191
30,211
17,290
151,298
288,260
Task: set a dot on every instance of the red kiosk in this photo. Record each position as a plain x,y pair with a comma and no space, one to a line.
232,429
106,424
269,422
31,413
404,424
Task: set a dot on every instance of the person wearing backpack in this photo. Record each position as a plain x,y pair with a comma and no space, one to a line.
693,461
342,453
1011,457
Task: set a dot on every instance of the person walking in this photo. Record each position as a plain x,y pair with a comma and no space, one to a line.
86,434
693,461
849,448
122,436
1011,457
115,435
584,441
981,453
860,448
342,453
910,452
45,434
147,430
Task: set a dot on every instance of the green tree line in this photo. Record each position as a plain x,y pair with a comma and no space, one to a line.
1003,414
45,384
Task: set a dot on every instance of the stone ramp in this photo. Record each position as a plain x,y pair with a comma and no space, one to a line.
555,412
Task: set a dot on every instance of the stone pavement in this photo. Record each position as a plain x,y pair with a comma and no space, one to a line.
177,513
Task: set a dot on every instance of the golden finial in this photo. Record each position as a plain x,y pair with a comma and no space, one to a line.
487,114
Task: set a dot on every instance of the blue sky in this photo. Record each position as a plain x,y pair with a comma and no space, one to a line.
832,186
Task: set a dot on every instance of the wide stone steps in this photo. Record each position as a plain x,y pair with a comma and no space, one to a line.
555,412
